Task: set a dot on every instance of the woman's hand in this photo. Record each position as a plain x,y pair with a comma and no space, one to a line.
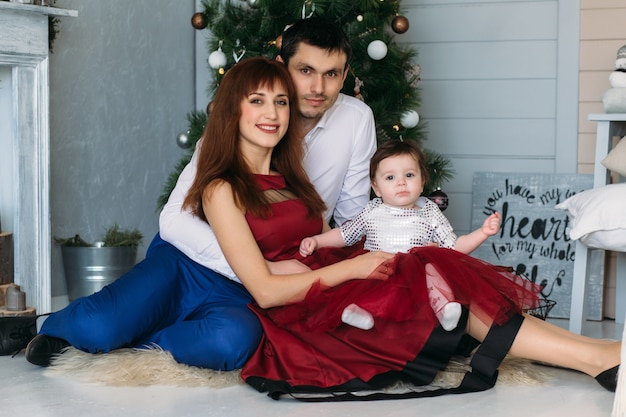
375,265
291,266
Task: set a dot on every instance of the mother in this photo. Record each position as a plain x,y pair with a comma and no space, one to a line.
251,188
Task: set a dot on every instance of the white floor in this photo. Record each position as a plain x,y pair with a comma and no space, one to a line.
25,391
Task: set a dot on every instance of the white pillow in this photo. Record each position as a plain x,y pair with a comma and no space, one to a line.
598,217
616,159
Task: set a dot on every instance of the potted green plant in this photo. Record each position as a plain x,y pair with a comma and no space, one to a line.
90,266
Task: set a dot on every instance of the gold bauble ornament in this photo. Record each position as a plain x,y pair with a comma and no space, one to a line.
279,42
400,24
198,21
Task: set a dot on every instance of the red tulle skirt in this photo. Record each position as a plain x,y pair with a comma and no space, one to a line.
306,344
492,293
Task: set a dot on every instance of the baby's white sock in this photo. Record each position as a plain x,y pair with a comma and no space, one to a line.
357,317
449,315
439,292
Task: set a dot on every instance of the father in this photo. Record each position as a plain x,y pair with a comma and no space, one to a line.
339,133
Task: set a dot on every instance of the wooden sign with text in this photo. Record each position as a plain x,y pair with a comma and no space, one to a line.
534,236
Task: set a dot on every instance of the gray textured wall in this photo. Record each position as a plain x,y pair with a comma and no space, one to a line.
121,84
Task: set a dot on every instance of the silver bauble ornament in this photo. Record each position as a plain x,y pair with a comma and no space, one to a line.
217,59
182,139
377,50
252,3
410,119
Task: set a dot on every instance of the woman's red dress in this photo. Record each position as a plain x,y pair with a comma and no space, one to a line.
306,349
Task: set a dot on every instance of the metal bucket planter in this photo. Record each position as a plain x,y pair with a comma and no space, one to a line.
88,269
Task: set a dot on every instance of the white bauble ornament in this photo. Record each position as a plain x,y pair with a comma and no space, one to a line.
377,50
410,119
217,59
252,2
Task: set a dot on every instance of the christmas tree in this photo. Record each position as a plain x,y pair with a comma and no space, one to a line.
382,72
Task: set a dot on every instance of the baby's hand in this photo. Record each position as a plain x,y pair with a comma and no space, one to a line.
491,226
308,246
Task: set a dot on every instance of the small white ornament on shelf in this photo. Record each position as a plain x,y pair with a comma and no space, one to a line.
617,78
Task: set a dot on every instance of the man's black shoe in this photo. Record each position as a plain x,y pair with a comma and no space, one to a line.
42,348
15,333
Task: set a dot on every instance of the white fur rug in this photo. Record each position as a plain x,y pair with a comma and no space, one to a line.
137,367
142,367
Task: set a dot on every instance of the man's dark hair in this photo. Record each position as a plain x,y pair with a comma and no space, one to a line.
315,31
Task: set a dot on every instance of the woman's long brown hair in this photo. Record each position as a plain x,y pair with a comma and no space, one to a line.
220,157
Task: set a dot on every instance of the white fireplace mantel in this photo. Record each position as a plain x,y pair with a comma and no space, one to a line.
24,48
